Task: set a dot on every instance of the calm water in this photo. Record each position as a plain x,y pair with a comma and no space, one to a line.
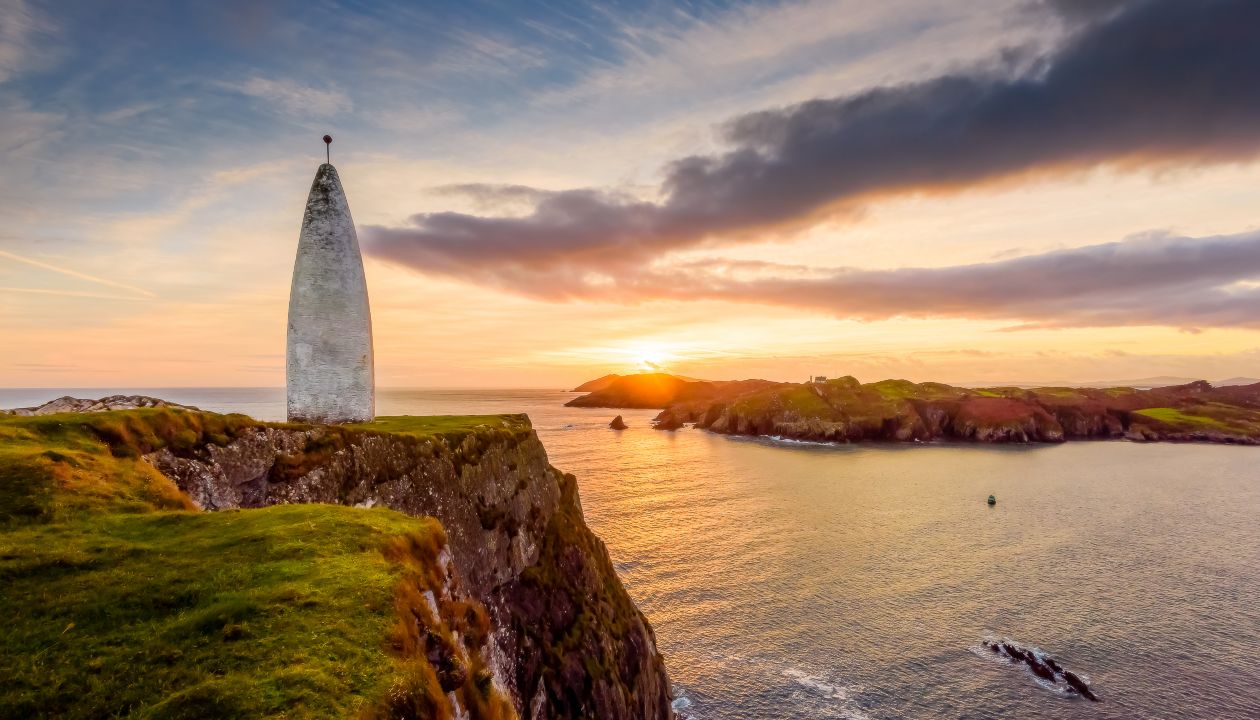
796,581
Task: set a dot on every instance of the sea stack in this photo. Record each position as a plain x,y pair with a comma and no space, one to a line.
330,373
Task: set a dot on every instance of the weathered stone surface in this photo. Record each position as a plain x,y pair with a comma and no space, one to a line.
614,673
515,532
330,371
112,402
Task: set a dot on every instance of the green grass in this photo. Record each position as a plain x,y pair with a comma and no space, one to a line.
1116,392
284,610
1177,418
800,399
118,599
1059,392
56,467
895,389
434,425
906,390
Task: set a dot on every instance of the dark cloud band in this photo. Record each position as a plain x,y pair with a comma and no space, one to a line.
1148,82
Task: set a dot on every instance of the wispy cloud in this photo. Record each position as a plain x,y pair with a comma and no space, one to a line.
20,26
128,112
1154,279
76,274
293,97
70,293
26,130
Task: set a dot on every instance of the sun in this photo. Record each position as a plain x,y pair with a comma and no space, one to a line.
649,357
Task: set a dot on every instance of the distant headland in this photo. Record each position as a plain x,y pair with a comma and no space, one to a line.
846,410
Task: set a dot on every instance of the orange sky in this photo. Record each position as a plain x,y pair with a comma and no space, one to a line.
144,264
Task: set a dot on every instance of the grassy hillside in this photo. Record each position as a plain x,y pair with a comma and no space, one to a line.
842,409
120,600
658,390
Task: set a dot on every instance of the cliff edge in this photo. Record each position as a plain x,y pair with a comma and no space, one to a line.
441,566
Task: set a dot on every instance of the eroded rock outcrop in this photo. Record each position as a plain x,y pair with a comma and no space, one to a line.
67,404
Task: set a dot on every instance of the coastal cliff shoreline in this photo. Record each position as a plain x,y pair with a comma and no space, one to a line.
843,410
561,637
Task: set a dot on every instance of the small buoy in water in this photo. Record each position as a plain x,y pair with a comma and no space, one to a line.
992,500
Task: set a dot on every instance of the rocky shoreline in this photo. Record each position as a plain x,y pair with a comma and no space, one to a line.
844,410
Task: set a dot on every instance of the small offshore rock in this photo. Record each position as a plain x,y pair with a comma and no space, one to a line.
1044,667
617,423
667,421
1080,685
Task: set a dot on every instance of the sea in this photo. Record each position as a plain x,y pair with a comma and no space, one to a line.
794,580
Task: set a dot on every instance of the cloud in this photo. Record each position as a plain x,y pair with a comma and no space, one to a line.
1083,11
20,27
70,293
1153,279
27,131
137,291
1153,82
128,112
295,98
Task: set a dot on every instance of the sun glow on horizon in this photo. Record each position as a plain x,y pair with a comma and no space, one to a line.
649,356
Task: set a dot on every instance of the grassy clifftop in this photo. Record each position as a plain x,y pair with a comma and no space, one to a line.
120,600
62,465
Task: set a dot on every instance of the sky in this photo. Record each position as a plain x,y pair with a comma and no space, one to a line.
982,192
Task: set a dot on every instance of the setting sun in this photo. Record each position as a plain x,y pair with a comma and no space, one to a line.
650,356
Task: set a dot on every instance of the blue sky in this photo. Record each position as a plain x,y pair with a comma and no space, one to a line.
156,157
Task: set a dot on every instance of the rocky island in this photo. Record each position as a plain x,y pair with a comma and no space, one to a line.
845,410
163,561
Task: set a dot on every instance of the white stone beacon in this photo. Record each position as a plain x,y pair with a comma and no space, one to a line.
329,372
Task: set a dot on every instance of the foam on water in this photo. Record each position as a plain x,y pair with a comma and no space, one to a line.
793,441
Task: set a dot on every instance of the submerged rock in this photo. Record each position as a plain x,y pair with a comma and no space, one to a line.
1079,685
1044,667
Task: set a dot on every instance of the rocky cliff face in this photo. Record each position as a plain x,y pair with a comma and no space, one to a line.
567,642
